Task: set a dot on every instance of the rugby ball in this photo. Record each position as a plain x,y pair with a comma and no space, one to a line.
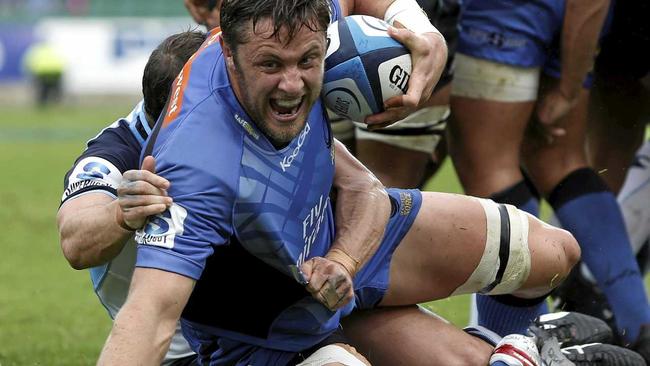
364,66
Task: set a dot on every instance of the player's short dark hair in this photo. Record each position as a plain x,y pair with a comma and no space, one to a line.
164,64
292,14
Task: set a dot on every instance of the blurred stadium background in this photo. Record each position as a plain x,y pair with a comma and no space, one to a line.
48,312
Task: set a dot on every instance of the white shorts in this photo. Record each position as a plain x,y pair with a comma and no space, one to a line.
488,80
421,131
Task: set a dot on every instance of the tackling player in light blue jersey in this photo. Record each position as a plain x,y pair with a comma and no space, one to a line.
251,161
88,216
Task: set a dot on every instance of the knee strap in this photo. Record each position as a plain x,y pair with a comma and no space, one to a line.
505,264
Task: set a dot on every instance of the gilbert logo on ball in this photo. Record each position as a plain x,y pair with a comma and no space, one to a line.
364,66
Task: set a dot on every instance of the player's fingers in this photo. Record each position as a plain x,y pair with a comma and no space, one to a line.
345,298
410,40
142,212
128,201
149,164
322,299
407,101
146,176
415,92
386,118
329,295
558,132
336,292
307,268
317,279
419,48
139,187
544,114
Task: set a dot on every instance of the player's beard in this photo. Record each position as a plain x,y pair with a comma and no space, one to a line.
256,106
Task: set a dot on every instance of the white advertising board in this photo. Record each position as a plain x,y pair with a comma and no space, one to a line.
107,55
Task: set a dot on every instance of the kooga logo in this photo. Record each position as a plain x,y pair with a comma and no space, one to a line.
288,160
399,77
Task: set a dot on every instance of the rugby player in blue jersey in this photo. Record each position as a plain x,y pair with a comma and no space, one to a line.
87,218
89,212
519,97
250,157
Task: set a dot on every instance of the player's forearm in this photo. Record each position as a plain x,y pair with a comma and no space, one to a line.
143,328
583,22
137,338
90,235
362,208
376,8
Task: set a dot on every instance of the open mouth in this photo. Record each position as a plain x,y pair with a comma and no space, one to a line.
286,109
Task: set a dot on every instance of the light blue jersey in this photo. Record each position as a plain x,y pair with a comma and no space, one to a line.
99,169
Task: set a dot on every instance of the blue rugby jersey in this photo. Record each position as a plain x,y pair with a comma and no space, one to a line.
245,215
99,169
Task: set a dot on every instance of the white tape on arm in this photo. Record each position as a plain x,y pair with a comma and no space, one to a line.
410,15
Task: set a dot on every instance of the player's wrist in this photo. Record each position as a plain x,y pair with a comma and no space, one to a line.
569,93
410,15
339,256
119,219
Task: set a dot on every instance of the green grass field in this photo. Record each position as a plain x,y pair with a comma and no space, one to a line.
49,314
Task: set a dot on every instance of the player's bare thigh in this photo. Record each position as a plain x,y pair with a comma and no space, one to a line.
447,242
410,336
550,161
488,122
439,252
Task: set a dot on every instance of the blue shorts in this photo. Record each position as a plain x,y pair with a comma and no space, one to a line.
523,33
220,351
371,282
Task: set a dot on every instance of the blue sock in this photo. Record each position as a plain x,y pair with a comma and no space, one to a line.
513,316
499,363
587,209
522,195
507,314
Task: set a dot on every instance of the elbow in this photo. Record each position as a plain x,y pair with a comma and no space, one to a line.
376,188
72,254
73,257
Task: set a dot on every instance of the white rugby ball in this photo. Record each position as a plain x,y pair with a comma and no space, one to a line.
364,66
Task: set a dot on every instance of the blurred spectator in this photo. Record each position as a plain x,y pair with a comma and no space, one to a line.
77,7
45,65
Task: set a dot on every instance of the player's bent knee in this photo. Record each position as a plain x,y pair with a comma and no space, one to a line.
506,261
335,354
557,251
571,251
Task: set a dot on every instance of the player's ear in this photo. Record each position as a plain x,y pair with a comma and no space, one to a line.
227,53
